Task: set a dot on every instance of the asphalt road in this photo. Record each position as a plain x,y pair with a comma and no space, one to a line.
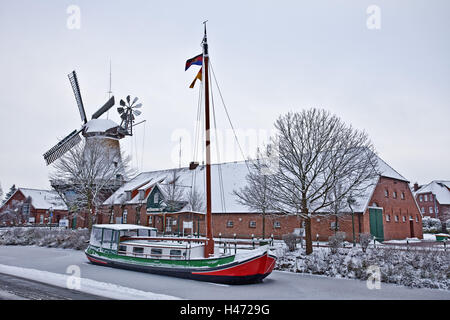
278,286
15,288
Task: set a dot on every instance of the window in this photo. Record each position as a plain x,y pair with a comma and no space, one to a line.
229,224
26,209
252,224
41,218
388,218
150,220
128,195
422,210
431,197
431,209
156,252
138,251
124,216
123,248
420,198
156,198
417,218
396,218
426,197
437,209
277,224
111,218
107,237
403,218
334,226
141,194
402,196
395,194
175,253
386,193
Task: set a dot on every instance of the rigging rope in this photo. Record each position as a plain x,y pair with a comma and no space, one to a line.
219,166
228,116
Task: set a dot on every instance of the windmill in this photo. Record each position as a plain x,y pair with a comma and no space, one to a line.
106,129
127,113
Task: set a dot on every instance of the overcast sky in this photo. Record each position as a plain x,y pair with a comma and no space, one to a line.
270,57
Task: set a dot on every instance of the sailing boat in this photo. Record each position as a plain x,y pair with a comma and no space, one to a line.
138,248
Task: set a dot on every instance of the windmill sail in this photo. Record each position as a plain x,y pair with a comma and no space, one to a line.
76,90
62,147
103,109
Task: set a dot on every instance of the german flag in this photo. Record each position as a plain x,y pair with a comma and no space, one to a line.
198,60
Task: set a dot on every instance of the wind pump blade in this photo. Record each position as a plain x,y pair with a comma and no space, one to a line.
62,147
108,105
76,90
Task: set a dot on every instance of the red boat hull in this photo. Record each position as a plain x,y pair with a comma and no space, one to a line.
252,270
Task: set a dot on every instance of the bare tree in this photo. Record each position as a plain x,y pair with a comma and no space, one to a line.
317,152
16,212
196,201
174,192
256,193
87,174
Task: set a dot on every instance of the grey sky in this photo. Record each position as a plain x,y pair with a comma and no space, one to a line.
269,56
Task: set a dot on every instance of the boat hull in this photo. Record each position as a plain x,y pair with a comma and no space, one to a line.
247,271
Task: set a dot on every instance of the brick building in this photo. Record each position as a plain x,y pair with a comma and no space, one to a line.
433,199
388,209
32,206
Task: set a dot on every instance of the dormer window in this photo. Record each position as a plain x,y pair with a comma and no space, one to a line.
128,195
156,198
141,194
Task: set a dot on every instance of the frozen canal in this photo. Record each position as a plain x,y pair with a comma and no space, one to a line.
279,285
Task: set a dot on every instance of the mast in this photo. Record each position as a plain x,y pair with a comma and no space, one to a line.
209,246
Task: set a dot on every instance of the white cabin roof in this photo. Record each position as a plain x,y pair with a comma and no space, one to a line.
121,227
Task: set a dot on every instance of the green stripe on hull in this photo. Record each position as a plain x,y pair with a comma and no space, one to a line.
109,254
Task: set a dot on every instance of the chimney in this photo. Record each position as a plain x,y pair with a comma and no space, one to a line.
416,186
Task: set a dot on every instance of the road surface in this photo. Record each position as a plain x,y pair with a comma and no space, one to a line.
14,288
278,286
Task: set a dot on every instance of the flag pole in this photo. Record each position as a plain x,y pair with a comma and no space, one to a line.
209,246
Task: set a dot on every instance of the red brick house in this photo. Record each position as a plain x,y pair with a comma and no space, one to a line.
388,209
433,199
32,206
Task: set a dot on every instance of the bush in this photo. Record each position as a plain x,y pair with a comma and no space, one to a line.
44,237
364,240
291,241
431,225
336,241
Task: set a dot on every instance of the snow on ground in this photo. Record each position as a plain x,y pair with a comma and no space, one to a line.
103,289
429,237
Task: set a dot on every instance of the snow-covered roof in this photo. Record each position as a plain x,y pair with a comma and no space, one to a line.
99,125
440,188
233,175
44,199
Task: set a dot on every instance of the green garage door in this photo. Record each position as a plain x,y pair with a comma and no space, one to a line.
376,223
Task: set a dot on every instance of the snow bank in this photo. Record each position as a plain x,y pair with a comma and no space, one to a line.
419,269
103,289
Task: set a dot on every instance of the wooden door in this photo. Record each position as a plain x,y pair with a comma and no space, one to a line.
376,223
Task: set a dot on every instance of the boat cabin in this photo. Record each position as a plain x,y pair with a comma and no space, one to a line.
139,241
108,236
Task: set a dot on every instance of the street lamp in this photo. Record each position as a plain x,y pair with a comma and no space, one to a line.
351,201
